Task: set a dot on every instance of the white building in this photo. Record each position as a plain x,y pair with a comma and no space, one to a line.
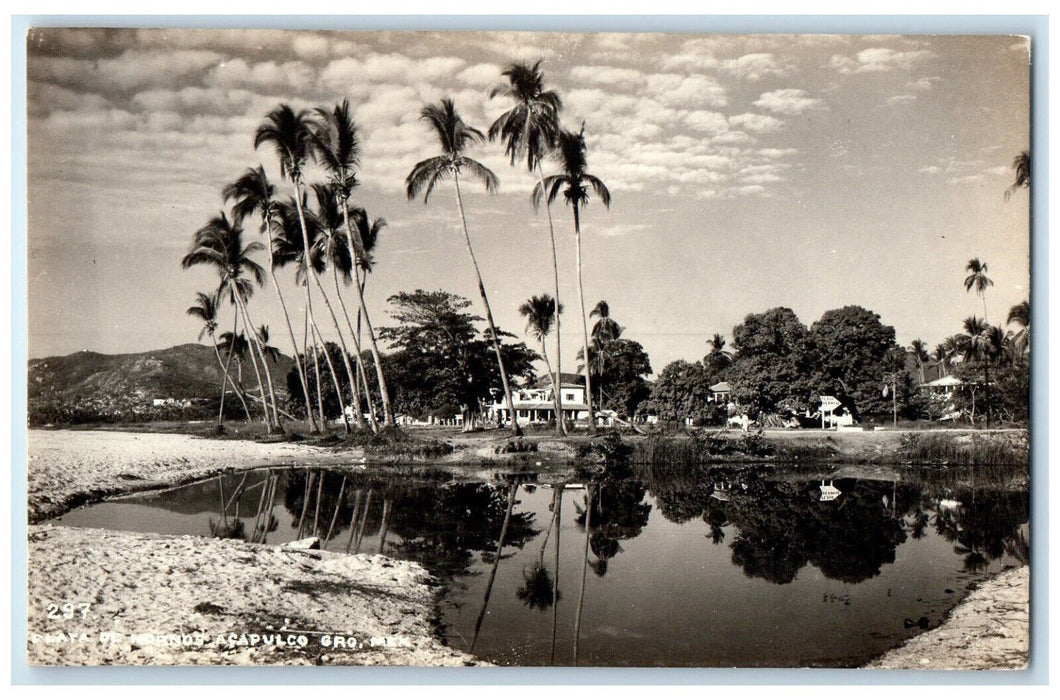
534,404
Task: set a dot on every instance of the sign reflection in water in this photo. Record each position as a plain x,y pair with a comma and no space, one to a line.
698,567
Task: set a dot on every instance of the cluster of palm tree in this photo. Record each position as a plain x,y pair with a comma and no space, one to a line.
990,346
316,229
530,131
330,234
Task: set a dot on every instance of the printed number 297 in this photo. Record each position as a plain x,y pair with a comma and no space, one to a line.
67,610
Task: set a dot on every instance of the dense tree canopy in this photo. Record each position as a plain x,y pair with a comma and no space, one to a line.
441,363
768,369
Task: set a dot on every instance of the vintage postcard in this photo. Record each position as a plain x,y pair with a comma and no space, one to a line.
446,348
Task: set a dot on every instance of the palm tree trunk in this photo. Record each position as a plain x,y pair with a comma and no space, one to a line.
256,343
334,376
353,518
489,314
225,379
557,382
316,280
585,564
254,362
384,525
585,322
360,364
552,377
496,562
316,510
557,498
310,476
231,382
290,330
338,504
316,365
384,395
364,521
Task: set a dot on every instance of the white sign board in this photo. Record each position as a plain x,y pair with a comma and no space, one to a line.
830,403
829,492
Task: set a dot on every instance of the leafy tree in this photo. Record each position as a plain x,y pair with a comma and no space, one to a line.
767,368
454,137
333,409
1020,314
575,183
850,352
440,357
623,383
682,390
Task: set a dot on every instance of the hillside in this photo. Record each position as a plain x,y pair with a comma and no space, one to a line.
118,387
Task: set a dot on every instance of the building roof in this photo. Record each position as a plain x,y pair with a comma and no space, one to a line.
720,387
567,379
542,406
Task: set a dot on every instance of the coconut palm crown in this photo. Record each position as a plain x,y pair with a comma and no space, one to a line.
454,137
978,280
529,129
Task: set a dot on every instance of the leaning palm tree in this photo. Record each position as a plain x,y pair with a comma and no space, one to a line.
252,193
455,137
977,278
205,309
291,135
540,313
1022,165
337,148
575,183
334,251
529,130
219,244
288,249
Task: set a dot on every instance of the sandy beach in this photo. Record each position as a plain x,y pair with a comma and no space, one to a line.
139,599
68,467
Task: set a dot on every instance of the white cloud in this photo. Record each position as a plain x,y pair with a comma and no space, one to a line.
754,66
901,100
788,101
482,75
607,75
924,84
311,47
756,123
706,122
879,59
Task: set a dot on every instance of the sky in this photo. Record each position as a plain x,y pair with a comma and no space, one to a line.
746,172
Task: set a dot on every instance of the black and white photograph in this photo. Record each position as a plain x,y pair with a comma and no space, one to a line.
475,348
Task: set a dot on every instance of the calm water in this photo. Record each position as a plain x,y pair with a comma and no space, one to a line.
721,567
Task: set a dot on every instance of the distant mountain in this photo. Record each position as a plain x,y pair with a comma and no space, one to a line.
120,383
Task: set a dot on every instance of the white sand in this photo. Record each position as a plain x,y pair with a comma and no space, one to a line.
203,595
990,629
67,467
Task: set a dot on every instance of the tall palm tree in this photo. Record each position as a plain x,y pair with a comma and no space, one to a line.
337,148
1022,165
205,309
291,136
220,245
252,193
529,130
335,252
977,278
1020,314
918,349
455,136
575,183
540,313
